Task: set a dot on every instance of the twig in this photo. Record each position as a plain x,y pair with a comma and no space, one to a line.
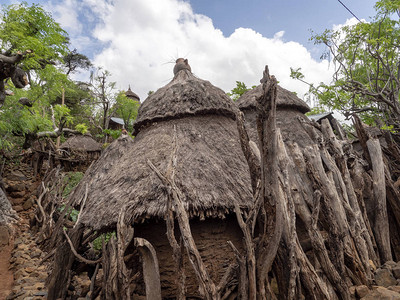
78,256
39,203
227,276
93,279
82,206
242,272
250,253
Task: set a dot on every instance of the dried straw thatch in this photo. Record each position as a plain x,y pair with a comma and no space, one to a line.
184,96
285,99
290,116
211,170
81,143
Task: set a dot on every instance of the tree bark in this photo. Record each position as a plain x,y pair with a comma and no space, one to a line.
381,225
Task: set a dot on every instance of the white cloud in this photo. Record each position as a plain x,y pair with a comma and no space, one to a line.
349,22
143,38
66,14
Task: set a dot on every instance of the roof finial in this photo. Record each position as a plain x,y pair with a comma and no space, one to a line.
181,64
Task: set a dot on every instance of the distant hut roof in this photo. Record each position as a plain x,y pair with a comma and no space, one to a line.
186,95
211,169
81,142
117,120
285,99
131,94
321,116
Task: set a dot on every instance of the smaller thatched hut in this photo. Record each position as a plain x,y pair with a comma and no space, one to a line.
289,116
78,152
195,121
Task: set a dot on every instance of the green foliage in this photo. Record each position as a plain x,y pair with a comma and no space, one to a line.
111,132
24,27
239,90
366,58
74,60
127,110
71,214
71,179
82,128
97,243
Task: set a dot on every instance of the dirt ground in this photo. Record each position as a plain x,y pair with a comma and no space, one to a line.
6,277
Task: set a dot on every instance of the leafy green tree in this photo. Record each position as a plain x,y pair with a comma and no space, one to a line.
75,60
24,27
103,93
367,67
239,90
127,110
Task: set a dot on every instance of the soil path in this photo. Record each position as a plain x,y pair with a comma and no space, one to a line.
6,278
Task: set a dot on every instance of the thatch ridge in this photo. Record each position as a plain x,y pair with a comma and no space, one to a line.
285,99
81,142
185,95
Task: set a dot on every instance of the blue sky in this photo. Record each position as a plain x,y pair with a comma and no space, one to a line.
295,17
224,41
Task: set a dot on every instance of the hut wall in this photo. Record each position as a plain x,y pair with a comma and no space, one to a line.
211,238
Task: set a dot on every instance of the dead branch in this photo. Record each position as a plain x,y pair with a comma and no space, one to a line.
82,206
252,160
266,127
77,255
250,254
206,284
39,203
243,282
381,225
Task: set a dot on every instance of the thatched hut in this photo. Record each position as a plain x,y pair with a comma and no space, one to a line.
211,171
79,151
289,116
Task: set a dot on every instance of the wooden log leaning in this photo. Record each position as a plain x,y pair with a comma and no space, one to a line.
381,224
151,272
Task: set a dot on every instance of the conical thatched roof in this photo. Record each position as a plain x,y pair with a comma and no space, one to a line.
81,142
131,94
185,95
290,116
211,170
285,99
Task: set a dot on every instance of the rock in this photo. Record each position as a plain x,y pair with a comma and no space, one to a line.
352,291
382,293
394,288
17,201
396,272
20,194
384,277
36,253
28,204
389,264
41,293
4,235
16,175
15,187
362,291
18,208
39,286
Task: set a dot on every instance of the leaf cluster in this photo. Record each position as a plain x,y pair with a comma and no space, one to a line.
366,59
